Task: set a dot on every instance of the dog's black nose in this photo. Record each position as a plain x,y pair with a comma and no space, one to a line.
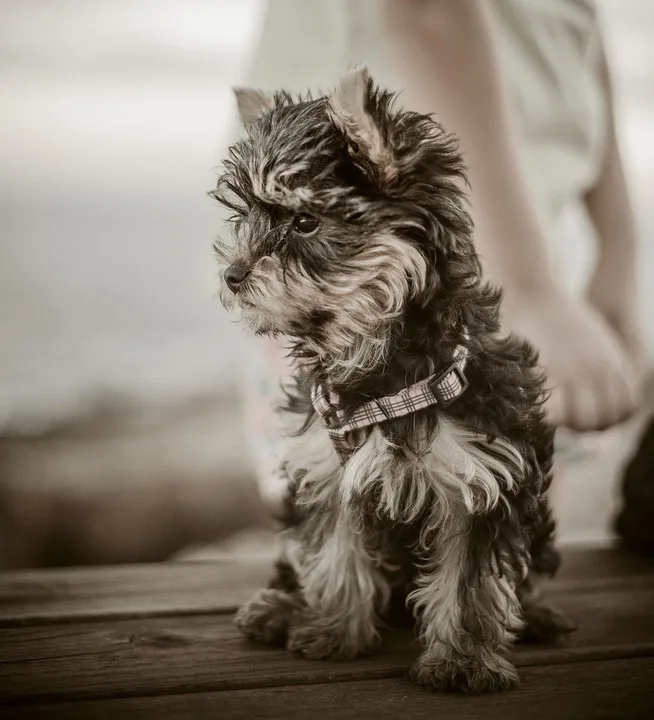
234,276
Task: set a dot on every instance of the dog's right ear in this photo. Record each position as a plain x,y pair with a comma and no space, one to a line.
252,104
355,108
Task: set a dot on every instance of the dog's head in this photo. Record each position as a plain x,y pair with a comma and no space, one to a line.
347,212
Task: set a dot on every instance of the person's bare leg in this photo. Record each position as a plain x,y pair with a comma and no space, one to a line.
613,289
447,51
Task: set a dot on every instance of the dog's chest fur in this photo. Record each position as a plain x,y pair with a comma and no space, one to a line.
449,470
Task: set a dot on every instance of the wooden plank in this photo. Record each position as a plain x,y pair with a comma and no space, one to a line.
129,591
133,591
580,565
204,653
610,690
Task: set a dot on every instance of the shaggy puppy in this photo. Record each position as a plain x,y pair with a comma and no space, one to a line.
417,473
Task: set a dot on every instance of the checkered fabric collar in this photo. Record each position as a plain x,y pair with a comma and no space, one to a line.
439,389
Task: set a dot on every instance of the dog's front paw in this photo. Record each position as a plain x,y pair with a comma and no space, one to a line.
312,637
266,616
473,674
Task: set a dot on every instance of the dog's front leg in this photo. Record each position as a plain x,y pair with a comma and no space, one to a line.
343,588
468,613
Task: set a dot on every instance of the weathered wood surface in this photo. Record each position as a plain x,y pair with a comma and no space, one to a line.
53,596
621,690
71,595
149,641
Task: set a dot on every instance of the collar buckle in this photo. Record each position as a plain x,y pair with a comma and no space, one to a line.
449,385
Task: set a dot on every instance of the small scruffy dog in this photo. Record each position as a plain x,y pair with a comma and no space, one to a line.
418,472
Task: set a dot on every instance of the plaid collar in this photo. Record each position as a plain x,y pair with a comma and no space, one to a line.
439,389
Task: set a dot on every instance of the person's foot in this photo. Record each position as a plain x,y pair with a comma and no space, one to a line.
593,379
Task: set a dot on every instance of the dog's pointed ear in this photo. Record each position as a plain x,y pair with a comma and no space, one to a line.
355,110
252,104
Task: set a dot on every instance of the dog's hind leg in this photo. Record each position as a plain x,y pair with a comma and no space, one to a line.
266,616
542,621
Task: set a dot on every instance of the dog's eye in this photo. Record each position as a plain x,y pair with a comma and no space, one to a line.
305,224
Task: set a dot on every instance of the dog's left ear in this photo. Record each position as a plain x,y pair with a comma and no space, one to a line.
355,110
252,104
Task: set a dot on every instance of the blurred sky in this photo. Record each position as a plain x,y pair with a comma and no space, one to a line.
113,116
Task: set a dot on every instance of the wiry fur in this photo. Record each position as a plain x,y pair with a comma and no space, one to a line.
444,509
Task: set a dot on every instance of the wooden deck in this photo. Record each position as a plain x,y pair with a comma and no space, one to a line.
157,641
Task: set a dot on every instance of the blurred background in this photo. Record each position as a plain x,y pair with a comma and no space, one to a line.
120,438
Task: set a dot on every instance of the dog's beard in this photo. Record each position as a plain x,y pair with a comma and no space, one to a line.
342,315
